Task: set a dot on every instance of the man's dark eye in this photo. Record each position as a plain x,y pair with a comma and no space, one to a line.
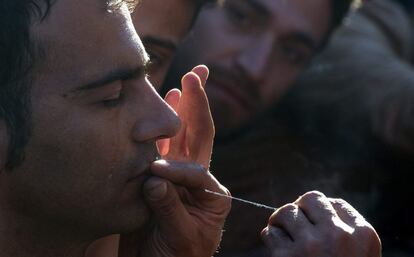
238,15
159,56
155,59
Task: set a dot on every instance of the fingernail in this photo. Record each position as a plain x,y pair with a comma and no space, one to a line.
156,190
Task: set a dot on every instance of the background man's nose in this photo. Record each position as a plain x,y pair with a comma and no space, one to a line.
255,58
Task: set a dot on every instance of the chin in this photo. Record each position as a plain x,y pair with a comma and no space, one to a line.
120,219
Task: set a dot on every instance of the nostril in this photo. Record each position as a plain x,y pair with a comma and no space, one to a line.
158,128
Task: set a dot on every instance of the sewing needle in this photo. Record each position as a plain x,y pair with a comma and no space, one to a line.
259,205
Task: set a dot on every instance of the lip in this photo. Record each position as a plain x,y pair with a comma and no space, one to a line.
138,180
231,91
142,175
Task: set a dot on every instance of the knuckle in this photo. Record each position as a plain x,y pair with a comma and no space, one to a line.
288,208
311,197
339,202
314,195
284,213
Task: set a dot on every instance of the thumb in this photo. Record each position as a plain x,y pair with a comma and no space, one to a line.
170,214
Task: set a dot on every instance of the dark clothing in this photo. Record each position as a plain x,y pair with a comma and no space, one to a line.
356,104
346,129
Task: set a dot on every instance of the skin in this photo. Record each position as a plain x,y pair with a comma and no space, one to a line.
254,49
186,146
162,25
90,168
317,226
193,143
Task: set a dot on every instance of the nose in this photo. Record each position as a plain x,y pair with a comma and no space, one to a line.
158,119
254,59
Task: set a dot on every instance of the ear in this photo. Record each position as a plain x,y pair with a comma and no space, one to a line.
4,143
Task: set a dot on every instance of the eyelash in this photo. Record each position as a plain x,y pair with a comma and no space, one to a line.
113,102
117,97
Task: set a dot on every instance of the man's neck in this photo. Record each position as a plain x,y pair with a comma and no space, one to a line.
22,237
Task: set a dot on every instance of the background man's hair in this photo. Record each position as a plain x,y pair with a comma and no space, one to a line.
340,9
407,4
17,52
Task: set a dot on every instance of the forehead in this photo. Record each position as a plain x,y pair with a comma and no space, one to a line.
82,39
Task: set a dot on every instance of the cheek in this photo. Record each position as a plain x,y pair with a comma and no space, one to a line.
71,173
93,149
75,152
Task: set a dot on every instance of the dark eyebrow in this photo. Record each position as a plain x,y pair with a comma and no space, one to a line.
120,74
260,8
303,38
159,42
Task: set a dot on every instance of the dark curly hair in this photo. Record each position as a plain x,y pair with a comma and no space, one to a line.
17,55
340,9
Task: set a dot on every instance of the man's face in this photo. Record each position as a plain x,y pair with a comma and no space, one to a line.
95,122
162,24
254,49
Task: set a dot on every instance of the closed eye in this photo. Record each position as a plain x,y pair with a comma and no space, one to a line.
113,100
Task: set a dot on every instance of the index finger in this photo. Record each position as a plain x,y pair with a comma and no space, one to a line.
194,178
347,213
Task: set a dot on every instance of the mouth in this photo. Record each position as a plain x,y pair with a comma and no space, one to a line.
231,92
140,167
140,177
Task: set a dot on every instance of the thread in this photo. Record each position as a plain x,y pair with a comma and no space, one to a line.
258,205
